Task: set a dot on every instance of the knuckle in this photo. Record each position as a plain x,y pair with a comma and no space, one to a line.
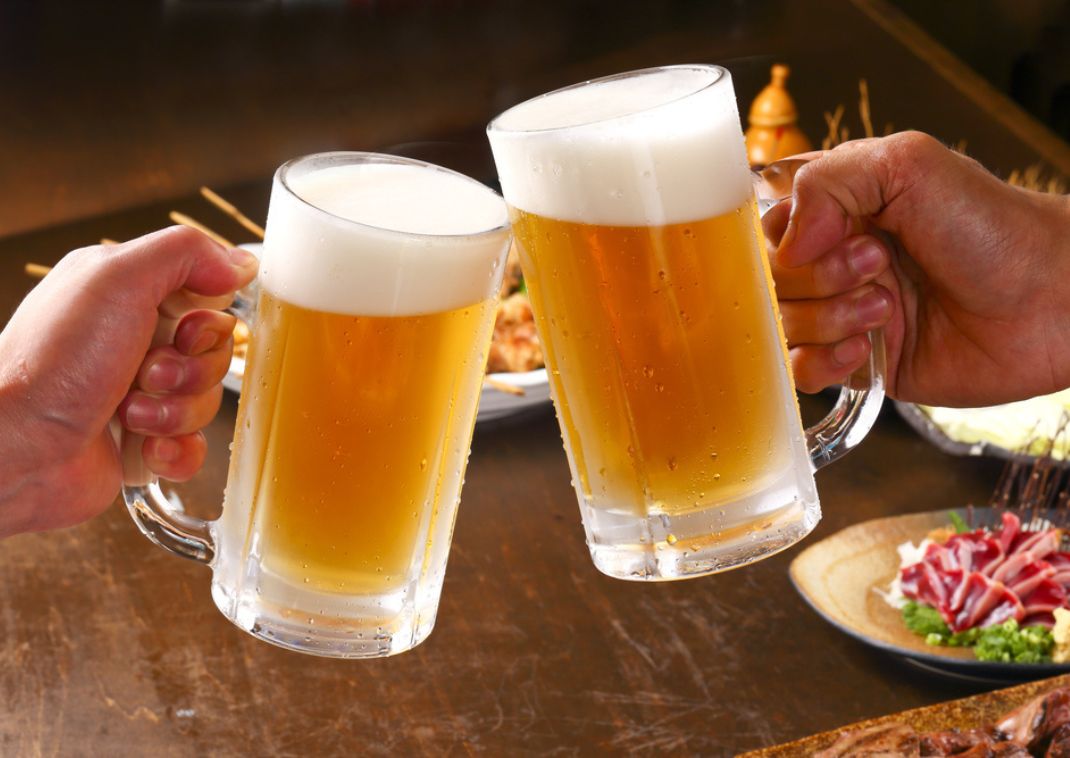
181,235
914,142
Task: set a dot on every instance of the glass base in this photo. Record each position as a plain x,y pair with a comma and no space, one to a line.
666,548
362,632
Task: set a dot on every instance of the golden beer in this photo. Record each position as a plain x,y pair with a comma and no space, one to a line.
667,362
378,291
638,232
359,446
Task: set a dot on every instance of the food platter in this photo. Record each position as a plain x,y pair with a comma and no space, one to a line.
963,714
840,576
1016,431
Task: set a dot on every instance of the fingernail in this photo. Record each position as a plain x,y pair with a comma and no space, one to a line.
850,351
167,450
872,308
205,342
866,259
789,234
143,413
242,258
164,374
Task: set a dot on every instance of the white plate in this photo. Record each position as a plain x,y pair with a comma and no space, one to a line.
495,404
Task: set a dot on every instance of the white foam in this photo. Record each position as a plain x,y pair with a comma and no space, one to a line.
661,148
386,263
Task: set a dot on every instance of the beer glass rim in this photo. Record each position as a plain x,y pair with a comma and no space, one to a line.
720,76
350,157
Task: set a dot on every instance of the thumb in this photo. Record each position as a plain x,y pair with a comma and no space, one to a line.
151,267
830,193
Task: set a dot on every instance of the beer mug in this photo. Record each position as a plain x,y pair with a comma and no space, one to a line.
378,290
636,221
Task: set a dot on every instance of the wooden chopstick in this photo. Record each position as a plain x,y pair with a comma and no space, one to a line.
501,386
234,213
182,218
36,270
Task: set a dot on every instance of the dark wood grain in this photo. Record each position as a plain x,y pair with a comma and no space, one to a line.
109,646
107,110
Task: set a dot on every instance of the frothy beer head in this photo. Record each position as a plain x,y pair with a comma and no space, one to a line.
371,235
649,148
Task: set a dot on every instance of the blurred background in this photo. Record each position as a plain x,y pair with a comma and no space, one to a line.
107,106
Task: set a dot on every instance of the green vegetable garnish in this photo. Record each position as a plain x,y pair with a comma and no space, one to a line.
961,527
523,288
1008,643
925,620
1004,643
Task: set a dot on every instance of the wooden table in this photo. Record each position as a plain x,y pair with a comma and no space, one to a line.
109,646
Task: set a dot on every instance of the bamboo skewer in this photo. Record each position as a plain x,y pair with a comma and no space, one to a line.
182,218
863,107
501,386
233,212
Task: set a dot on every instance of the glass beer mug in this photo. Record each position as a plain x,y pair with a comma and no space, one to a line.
636,220
378,289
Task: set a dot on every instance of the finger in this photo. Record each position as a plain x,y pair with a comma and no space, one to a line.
201,331
776,179
179,303
167,370
850,264
855,180
830,320
774,222
175,458
816,367
169,415
174,258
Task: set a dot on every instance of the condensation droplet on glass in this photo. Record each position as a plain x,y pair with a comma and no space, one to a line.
672,464
671,538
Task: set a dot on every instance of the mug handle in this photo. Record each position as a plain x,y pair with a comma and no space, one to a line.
155,516
862,394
